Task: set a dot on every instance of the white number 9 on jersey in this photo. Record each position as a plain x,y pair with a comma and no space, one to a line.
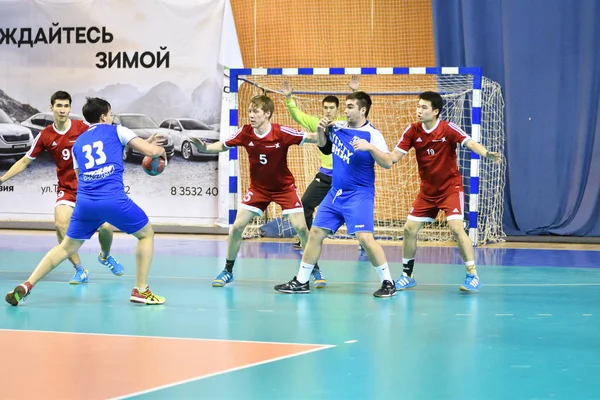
66,154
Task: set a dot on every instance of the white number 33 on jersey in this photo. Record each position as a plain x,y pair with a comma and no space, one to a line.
98,158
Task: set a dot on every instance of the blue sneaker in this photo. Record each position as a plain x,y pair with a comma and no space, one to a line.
115,267
405,282
472,283
223,279
318,279
81,276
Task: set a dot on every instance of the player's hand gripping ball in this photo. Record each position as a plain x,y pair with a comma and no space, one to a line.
154,166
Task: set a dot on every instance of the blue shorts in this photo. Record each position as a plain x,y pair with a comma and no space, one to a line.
354,207
121,213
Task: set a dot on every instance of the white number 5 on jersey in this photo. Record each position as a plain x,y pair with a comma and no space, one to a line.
262,158
100,157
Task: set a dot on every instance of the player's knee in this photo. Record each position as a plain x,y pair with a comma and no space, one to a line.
317,234
61,227
106,227
237,229
410,231
366,240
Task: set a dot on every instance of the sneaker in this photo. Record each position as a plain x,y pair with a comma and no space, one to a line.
223,279
81,276
297,245
115,267
293,286
472,283
318,278
405,282
387,289
18,294
146,297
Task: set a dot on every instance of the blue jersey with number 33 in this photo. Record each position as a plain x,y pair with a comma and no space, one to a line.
98,153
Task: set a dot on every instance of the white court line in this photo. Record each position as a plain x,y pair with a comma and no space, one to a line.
154,389
164,337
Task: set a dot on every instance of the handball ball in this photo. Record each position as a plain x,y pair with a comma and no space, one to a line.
153,166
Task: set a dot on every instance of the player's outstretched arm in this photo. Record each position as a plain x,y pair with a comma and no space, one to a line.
397,155
209,148
354,83
16,169
147,149
482,151
307,121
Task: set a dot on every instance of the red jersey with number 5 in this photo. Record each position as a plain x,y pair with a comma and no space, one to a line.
267,155
435,150
59,145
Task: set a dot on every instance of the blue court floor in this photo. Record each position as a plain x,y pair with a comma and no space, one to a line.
532,332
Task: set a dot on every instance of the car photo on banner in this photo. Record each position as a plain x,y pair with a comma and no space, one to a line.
15,140
183,129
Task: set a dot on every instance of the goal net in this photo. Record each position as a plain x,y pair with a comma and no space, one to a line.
471,101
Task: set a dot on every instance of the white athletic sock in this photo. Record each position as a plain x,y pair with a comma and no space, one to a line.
304,272
384,272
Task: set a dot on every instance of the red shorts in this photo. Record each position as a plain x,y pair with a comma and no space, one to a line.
426,209
65,197
257,200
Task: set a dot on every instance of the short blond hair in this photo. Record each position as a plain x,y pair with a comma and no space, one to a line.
262,102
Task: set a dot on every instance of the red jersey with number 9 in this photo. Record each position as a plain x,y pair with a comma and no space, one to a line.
267,155
59,145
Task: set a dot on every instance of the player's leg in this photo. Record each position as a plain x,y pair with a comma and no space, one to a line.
51,260
312,252
423,210
105,237
359,213
298,221
63,210
128,217
80,229
234,241
312,197
328,219
144,252
453,206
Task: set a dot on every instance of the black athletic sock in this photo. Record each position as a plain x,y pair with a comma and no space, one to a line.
316,267
229,265
407,268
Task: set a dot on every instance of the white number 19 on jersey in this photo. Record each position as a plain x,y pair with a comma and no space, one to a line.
98,159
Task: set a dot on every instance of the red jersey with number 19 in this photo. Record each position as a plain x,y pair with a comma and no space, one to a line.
59,145
435,150
267,155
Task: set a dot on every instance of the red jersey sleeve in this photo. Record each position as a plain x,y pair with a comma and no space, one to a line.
291,136
39,145
237,139
80,126
456,134
405,142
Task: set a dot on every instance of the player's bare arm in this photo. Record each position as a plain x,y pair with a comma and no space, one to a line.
482,151
209,148
16,169
156,139
147,149
354,83
397,155
384,160
286,89
322,128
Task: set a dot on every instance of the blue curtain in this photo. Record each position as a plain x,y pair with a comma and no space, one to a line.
546,56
